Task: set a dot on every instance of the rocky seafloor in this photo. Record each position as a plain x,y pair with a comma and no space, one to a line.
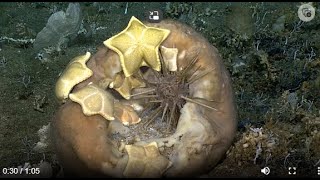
272,56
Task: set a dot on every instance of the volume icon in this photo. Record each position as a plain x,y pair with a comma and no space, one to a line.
265,170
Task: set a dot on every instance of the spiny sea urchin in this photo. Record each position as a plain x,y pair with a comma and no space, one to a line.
167,92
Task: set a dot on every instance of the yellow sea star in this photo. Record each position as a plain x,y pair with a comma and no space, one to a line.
145,161
76,72
94,100
138,45
124,85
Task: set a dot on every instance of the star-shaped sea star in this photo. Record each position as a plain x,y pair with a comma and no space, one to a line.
145,161
138,45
